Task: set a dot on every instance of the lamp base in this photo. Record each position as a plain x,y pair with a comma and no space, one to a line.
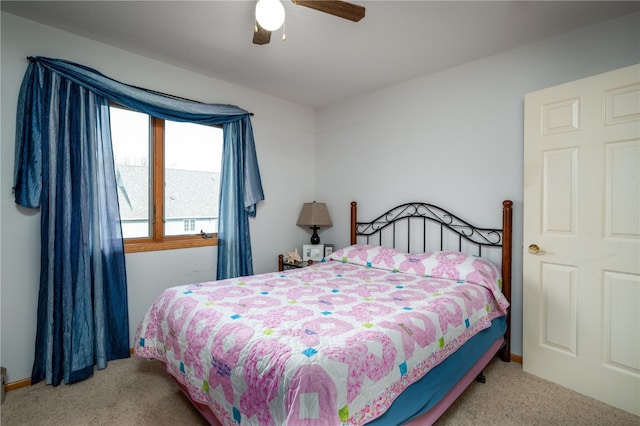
315,239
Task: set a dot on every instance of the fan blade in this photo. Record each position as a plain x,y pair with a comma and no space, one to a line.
341,9
260,35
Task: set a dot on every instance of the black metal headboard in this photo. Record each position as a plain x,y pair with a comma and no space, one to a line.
414,217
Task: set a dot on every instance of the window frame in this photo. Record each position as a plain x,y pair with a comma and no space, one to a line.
158,241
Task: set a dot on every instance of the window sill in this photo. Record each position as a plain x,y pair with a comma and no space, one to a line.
138,246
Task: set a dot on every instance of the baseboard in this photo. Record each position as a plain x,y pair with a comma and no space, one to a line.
17,385
516,358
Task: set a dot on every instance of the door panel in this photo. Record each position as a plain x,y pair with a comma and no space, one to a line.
559,191
559,315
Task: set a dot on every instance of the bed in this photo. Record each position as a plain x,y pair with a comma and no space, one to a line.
388,330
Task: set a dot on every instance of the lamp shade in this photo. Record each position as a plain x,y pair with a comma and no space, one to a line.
314,215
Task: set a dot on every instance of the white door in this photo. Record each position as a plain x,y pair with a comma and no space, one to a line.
581,286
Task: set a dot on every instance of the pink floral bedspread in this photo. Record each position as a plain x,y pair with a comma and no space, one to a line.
329,344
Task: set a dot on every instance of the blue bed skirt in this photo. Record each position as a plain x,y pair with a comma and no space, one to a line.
424,394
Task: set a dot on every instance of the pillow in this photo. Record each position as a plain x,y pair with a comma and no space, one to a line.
366,255
454,266
439,264
451,265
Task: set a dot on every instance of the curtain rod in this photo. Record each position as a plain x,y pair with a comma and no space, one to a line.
32,59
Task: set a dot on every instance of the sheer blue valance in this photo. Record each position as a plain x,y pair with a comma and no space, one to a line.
153,103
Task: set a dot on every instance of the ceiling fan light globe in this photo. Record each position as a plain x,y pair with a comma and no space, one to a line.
270,14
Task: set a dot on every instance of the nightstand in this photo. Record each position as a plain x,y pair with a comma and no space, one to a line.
285,266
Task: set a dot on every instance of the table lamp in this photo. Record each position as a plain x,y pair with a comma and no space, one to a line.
314,215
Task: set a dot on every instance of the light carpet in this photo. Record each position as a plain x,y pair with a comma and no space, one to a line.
139,392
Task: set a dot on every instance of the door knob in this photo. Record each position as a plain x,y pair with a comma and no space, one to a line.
534,249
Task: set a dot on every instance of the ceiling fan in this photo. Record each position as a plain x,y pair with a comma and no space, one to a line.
341,9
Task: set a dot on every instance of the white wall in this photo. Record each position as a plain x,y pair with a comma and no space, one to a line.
455,138
285,137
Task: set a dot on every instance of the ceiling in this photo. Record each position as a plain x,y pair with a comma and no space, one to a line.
324,59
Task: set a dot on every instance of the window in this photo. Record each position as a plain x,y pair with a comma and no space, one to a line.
168,177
